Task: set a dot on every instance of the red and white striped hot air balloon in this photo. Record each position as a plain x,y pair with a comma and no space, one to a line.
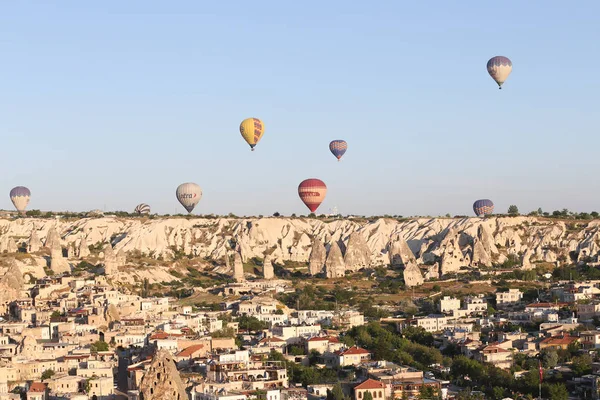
312,193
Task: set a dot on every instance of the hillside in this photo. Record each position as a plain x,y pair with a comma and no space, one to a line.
452,243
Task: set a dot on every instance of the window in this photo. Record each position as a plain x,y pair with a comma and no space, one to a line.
360,395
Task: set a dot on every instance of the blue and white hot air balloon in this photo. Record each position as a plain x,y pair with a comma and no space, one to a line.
338,148
499,68
189,194
483,207
20,196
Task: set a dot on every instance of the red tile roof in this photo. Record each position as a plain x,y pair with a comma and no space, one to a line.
559,340
38,387
189,351
355,350
494,349
370,384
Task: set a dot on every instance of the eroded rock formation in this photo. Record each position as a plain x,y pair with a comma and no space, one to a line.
334,265
318,256
162,380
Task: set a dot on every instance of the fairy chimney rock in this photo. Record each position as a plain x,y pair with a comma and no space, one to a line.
35,244
238,267
412,275
317,258
52,238
268,272
83,250
334,265
401,254
162,380
58,264
358,255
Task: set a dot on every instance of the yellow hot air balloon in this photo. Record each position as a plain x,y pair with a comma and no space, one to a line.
252,130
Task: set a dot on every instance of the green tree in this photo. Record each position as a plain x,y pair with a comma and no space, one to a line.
367,396
498,392
558,391
100,345
251,323
426,392
47,374
336,393
582,365
513,210
550,359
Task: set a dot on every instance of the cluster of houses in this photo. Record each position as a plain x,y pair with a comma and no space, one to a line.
76,338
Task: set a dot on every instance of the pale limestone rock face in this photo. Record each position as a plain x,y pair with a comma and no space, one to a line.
121,258
268,272
412,275
227,262
480,257
431,271
238,267
334,265
509,239
83,250
12,246
358,255
11,285
110,260
487,240
35,244
58,263
452,258
8,245
52,239
401,254
29,347
162,380
434,240
71,251
526,261
318,256
111,313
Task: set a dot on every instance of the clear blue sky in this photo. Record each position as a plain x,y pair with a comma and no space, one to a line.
108,104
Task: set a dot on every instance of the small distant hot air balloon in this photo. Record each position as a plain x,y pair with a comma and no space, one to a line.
189,194
20,196
483,207
499,68
338,148
312,193
252,129
142,208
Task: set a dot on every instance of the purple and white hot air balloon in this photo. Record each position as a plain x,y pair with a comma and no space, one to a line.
499,68
20,196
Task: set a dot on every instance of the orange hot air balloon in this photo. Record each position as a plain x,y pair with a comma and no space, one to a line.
312,193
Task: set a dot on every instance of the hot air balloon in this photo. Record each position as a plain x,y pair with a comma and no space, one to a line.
312,193
499,68
189,194
20,196
142,208
338,148
252,130
483,207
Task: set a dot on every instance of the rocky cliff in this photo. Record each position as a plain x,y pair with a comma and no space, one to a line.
441,245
